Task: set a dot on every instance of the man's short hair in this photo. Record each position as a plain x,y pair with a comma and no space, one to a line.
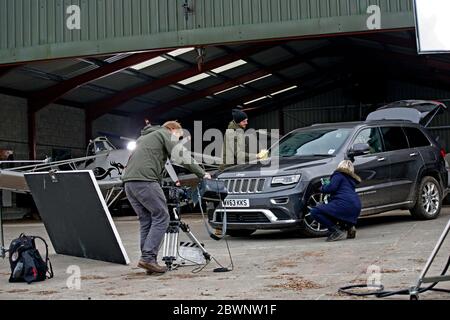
172,125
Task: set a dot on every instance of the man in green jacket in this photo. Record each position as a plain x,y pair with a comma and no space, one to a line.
234,148
142,178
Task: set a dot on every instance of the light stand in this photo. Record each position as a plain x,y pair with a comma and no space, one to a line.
2,238
414,291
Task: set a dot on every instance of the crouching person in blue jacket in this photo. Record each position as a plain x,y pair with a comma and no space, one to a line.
341,212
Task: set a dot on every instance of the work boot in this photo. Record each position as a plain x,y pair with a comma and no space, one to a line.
152,267
351,233
337,235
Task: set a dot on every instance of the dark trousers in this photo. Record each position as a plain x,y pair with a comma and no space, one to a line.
331,223
149,203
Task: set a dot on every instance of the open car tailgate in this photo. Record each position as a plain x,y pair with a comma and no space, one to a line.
416,111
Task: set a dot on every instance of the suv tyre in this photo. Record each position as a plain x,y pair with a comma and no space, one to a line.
310,227
428,199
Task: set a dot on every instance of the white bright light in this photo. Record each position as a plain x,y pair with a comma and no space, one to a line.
226,90
263,77
284,90
433,24
256,100
245,83
202,76
193,79
152,62
131,145
179,52
148,63
229,66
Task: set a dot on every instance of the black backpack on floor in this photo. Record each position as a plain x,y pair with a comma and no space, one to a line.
26,262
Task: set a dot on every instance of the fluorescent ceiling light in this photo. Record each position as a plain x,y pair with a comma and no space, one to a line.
254,80
270,96
284,90
148,63
159,59
241,85
179,52
259,99
193,79
229,66
226,90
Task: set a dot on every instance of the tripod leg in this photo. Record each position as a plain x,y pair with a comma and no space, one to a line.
170,245
195,240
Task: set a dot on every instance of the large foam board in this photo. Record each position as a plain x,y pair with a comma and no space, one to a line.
76,216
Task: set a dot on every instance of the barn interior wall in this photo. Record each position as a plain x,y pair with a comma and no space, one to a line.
339,105
13,126
60,129
115,126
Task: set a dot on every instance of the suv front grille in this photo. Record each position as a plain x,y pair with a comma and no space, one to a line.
242,186
243,217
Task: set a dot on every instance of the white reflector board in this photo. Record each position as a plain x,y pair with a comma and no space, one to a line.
13,181
76,216
432,25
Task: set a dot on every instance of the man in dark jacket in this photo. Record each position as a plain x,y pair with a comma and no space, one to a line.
142,177
341,212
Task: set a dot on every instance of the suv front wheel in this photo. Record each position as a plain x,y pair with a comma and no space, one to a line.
429,200
310,227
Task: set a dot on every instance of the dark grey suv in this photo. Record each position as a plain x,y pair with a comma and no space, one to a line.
401,165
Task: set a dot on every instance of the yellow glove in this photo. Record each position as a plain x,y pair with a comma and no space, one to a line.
263,155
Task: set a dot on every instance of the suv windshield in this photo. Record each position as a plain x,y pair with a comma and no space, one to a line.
319,142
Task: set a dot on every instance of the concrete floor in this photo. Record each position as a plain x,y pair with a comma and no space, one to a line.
268,265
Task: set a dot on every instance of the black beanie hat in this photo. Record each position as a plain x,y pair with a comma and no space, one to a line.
239,116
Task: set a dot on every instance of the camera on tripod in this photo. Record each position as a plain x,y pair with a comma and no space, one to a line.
177,196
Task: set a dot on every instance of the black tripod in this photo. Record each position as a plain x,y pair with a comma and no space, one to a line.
171,242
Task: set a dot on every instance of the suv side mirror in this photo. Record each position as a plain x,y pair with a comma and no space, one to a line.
358,149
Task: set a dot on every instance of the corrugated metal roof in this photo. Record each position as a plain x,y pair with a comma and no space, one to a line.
84,95
36,30
24,83
308,73
164,94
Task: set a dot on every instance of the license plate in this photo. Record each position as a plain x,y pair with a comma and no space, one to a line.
237,203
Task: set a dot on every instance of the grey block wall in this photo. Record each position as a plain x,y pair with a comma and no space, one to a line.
13,126
58,127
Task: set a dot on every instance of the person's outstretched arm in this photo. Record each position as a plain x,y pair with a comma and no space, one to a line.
180,155
334,184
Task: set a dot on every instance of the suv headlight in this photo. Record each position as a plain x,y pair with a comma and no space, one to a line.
286,180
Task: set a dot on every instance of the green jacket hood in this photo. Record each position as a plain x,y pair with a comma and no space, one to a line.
149,129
